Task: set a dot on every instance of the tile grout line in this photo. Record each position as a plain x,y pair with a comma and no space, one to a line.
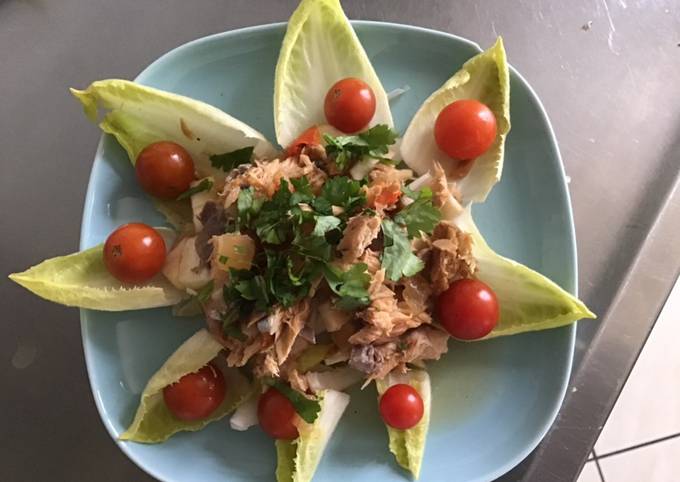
638,446
597,465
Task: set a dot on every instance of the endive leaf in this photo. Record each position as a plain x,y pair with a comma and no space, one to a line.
408,446
298,459
528,300
484,78
82,280
320,48
153,421
138,116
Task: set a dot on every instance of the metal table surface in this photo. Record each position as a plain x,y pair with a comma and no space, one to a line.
606,71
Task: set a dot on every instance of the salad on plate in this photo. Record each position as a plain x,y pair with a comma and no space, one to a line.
348,255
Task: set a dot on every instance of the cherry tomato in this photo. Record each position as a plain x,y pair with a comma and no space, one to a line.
310,136
401,406
164,169
349,105
277,415
134,253
196,395
468,309
465,129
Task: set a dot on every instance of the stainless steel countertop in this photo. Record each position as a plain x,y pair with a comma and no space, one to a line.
607,72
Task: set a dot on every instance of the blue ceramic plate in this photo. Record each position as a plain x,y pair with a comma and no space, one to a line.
492,401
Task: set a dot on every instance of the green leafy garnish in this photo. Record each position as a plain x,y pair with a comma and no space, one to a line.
340,191
204,293
229,160
250,287
372,143
325,224
248,206
205,185
308,409
273,223
420,215
398,259
223,259
350,285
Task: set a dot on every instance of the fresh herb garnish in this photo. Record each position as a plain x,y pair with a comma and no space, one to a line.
308,409
340,191
350,285
325,224
420,215
248,206
205,185
250,287
223,259
398,259
373,143
204,293
229,160
273,224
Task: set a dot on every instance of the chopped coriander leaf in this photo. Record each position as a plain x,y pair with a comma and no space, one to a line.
378,136
273,228
372,143
343,192
273,224
420,215
229,160
252,288
325,224
204,293
398,259
408,192
314,247
308,409
248,206
286,280
223,259
205,185
350,285
303,191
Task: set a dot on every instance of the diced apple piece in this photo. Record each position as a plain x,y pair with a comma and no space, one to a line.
232,251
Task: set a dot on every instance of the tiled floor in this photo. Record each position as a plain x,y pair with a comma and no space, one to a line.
641,439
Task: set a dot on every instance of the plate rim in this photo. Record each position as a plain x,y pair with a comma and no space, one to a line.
88,207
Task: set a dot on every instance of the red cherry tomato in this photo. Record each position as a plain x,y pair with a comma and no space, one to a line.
310,136
196,395
134,253
468,309
349,105
465,129
164,169
401,406
276,415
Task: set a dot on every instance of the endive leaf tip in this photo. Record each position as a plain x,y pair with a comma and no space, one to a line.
88,102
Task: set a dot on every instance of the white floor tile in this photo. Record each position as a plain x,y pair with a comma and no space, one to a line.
659,462
648,407
589,473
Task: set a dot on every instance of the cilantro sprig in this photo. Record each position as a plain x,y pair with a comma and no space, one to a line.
398,259
350,285
229,160
373,143
307,408
205,185
420,215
